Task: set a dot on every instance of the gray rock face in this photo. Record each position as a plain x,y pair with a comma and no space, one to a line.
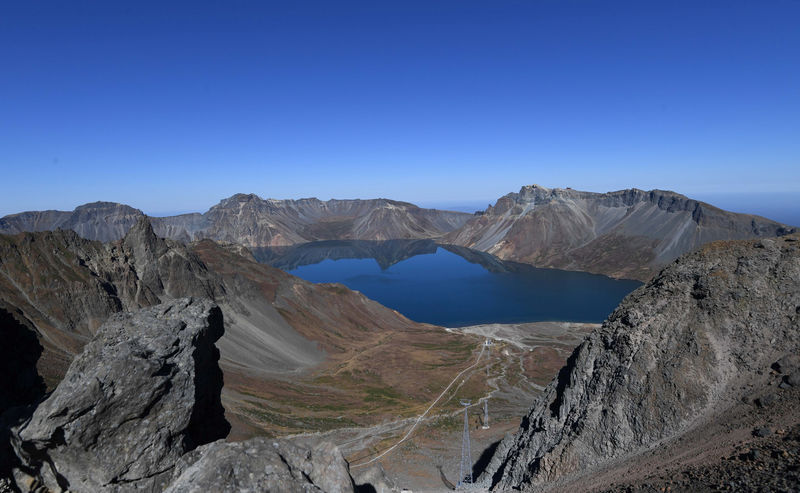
144,391
262,464
628,233
676,351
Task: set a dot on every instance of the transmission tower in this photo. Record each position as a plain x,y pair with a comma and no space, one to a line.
488,345
465,472
485,414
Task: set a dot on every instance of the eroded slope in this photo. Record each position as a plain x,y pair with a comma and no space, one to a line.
630,233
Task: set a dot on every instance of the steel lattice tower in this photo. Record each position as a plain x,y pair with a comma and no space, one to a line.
465,471
486,414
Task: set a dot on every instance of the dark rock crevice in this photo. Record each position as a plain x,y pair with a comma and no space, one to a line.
128,407
21,384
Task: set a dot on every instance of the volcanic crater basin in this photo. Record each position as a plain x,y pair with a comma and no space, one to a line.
452,286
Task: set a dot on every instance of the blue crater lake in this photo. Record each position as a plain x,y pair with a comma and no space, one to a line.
452,286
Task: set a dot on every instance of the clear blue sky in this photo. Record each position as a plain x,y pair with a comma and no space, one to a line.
171,108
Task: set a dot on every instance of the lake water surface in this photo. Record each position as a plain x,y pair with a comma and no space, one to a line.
430,283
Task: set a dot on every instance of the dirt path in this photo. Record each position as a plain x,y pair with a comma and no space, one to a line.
424,414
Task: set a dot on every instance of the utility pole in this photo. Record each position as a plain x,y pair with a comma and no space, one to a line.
465,472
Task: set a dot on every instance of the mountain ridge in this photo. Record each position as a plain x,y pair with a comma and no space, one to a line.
626,233
255,222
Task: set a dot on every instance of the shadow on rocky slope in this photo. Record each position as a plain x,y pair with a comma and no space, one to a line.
21,385
139,409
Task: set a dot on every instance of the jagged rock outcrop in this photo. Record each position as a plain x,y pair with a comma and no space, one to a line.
252,221
674,356
628,234
262,464
144,391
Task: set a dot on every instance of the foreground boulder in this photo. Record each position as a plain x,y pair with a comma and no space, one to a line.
677,354
143,392
262,464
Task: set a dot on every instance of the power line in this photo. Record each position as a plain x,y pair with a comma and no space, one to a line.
465,472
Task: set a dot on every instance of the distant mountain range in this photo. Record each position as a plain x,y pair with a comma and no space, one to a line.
626,234
254,222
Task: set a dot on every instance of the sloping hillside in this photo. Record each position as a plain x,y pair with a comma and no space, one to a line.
630,233
285,339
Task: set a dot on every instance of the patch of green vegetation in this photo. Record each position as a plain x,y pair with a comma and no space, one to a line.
437,366
462,348
304,423
381,394
326,407
251,394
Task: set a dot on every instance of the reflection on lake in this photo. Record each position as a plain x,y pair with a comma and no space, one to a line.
452,286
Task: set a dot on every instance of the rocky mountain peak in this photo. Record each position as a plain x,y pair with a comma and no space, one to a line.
237,200
234,204
142,241
141,230
244,197
101,206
